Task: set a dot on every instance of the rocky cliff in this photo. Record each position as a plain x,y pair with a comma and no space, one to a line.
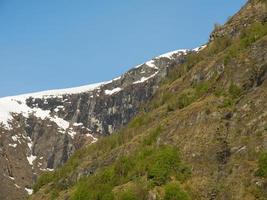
40,131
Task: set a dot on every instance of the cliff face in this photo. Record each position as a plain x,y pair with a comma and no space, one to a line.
39,132
211,109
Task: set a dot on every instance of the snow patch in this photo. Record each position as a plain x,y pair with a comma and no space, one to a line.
72,133
118,78
59,108
31,158
151,64
143,79
113,91
47,169
199,48
18,105
29,190
78,124
172,53
12,145
138,66
15,138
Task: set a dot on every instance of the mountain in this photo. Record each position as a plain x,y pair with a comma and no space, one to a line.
201,135
40,131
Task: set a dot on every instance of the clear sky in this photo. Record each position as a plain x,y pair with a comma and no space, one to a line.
48,44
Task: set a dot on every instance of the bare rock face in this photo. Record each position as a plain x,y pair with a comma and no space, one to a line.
39,132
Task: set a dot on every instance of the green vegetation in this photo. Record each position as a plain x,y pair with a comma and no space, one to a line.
191,96
172,100
235,91
157,164
44,179
248,36
173,191
219,44
186,99
231,96
262,165
152,165
139,120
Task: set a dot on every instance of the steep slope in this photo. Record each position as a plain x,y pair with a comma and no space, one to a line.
39,131
202,136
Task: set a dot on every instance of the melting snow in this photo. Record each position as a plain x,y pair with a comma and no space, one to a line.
118,78
199,48
113,91
31,158
11,105
58,108
170,54
143,79
78,124
29,190
14,138
72,133
47,169
151,64
12,145
17,104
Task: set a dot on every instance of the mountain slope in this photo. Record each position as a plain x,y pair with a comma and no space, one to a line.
202,136
39,131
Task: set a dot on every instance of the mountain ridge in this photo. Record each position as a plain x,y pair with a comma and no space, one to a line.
201,136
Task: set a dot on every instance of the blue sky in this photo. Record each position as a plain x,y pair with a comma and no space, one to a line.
57,43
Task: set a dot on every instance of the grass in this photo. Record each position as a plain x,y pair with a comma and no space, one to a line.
173,191
157,164
262,165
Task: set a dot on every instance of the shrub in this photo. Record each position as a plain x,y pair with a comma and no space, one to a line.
202,88
43,180
139,121
186,99
189,97
174,192
126,195
227,102
256,31
152,137
123,166
88,189
165,162
218,92
219,44
235,91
